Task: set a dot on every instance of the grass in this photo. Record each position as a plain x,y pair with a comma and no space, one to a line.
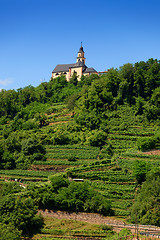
71,228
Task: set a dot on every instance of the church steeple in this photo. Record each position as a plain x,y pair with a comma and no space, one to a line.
81,55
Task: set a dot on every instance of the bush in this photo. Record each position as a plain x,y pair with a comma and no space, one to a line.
140,170
72,159
96,138
58,182
9,232
61,137
106,152
147,143
106,227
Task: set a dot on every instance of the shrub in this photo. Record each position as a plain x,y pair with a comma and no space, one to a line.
61,137
106,227
9,232
147,143
107,152
72,159
58,182
96,138
140,170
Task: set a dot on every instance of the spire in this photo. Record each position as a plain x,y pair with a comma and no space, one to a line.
81,55
81,49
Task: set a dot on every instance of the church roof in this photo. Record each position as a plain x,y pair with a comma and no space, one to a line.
62,68
65,67
90,70
80,64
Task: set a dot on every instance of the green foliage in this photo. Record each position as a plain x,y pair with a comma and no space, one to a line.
9,232
70,196
151,112
146,208
123,234
21,213
9,188
61,137
72,151
96,138
106,152
18,173
58,182
140,102
146,143
74,80
71,101
140,170
20,150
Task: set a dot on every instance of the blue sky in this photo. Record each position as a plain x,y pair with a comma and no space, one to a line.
36,35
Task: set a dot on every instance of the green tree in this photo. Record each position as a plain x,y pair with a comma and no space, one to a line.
96,138
58,182
152,77
92,103
71,101
139,79
140,170
127,77
146,208
113,80
21,212
74,79
155,99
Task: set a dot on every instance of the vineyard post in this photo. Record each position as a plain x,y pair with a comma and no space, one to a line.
136,227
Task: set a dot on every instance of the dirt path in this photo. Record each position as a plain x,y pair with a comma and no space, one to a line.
81,216
152,152
99,219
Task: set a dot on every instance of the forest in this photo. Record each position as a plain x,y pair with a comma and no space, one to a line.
103,129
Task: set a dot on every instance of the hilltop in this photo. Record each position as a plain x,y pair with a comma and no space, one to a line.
101,129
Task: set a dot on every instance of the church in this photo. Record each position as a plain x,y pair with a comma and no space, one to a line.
79,68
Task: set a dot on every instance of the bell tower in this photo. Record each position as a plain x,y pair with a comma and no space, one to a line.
81,55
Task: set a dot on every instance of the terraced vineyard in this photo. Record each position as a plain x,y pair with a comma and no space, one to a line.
111,176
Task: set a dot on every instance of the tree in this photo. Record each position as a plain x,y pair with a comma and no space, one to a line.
112,79
74,79
92,103
155,99
71,101
96,138
146,208
127,76
58,182
21,212
152,77
139,81
139,105
140,171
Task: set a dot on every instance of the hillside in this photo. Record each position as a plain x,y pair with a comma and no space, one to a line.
103,130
